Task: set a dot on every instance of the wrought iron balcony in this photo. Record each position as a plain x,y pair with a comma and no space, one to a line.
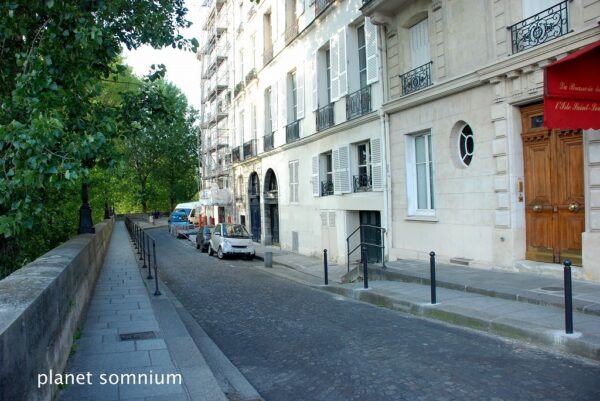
250,76
238,88
362,183
235,154
327,187
540,28
291,31
249,149
325,117
321,5
267,55
268,141
292,132
358,103
416,79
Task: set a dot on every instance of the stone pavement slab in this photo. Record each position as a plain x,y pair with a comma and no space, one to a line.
162,368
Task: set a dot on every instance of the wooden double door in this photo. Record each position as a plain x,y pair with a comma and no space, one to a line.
554,190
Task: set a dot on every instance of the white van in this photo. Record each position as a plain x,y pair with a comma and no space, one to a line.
191,209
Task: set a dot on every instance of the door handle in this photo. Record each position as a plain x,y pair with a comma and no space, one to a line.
537,208
573,207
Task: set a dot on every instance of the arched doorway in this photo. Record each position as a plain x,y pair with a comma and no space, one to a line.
271,209
254,199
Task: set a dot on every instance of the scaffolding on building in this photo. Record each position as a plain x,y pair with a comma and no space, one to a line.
216,95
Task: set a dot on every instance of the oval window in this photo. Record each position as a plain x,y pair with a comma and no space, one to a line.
466,144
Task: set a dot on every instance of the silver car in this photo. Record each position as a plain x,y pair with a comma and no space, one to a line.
231,239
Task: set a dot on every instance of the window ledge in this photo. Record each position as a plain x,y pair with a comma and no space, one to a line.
431,219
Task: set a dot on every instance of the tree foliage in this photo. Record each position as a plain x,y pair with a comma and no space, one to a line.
55,125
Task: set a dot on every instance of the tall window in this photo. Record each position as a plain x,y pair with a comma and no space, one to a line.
241,57
329,168
293,166
294,97
419,44
362,56
421,199
241,129
364,159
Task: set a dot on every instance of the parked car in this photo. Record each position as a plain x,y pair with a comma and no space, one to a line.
231,239
178,221
203,238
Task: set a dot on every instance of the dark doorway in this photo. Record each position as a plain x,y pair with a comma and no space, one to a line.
254,197
370,233
271,201
221,217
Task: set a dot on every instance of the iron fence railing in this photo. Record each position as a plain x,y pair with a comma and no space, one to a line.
321,5
292,132
549,24
268,140
327,187
267,55
235,154
291,31
358,103
250,149
325,117
362,183
416,79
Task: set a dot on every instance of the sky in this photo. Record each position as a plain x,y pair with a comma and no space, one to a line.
183,68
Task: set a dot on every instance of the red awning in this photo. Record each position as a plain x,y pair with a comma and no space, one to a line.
572,90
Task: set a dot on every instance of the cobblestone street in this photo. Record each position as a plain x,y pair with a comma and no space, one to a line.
293,342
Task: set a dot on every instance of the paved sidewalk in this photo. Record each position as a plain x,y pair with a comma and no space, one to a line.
524,306
122,305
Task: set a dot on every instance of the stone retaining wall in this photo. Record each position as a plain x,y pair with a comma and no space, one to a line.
40,308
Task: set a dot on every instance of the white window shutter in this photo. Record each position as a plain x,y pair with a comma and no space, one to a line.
343,63
300,91
291,181
371,51
344,163
336,172
314,78
283,104
316,184
334,63
376,165
274,125
419,44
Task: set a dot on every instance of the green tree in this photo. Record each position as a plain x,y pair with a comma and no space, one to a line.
54,126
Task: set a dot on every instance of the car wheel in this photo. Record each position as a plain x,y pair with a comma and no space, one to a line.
210,251
220,253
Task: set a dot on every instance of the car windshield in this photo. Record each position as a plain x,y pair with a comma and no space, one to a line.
186,211
178,218
235,231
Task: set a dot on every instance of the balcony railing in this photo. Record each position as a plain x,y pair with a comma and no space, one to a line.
291,31
250,76
416,79
268,141
321,5
358,103
540,28
238,88
249,149
235,154
362,183
327,187
267,56
292,132
325,117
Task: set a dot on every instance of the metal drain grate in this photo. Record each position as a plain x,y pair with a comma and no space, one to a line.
142,335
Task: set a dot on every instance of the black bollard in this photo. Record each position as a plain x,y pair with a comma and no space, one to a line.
432,278
568,298
365,266
156,292
325,266
149,258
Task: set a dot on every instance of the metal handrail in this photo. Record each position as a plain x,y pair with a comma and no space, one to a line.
382,246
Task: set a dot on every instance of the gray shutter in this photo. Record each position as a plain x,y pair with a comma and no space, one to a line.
376,165
274,125
314,78
343,63
316,184
344,167
371,51
336,172
296,181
